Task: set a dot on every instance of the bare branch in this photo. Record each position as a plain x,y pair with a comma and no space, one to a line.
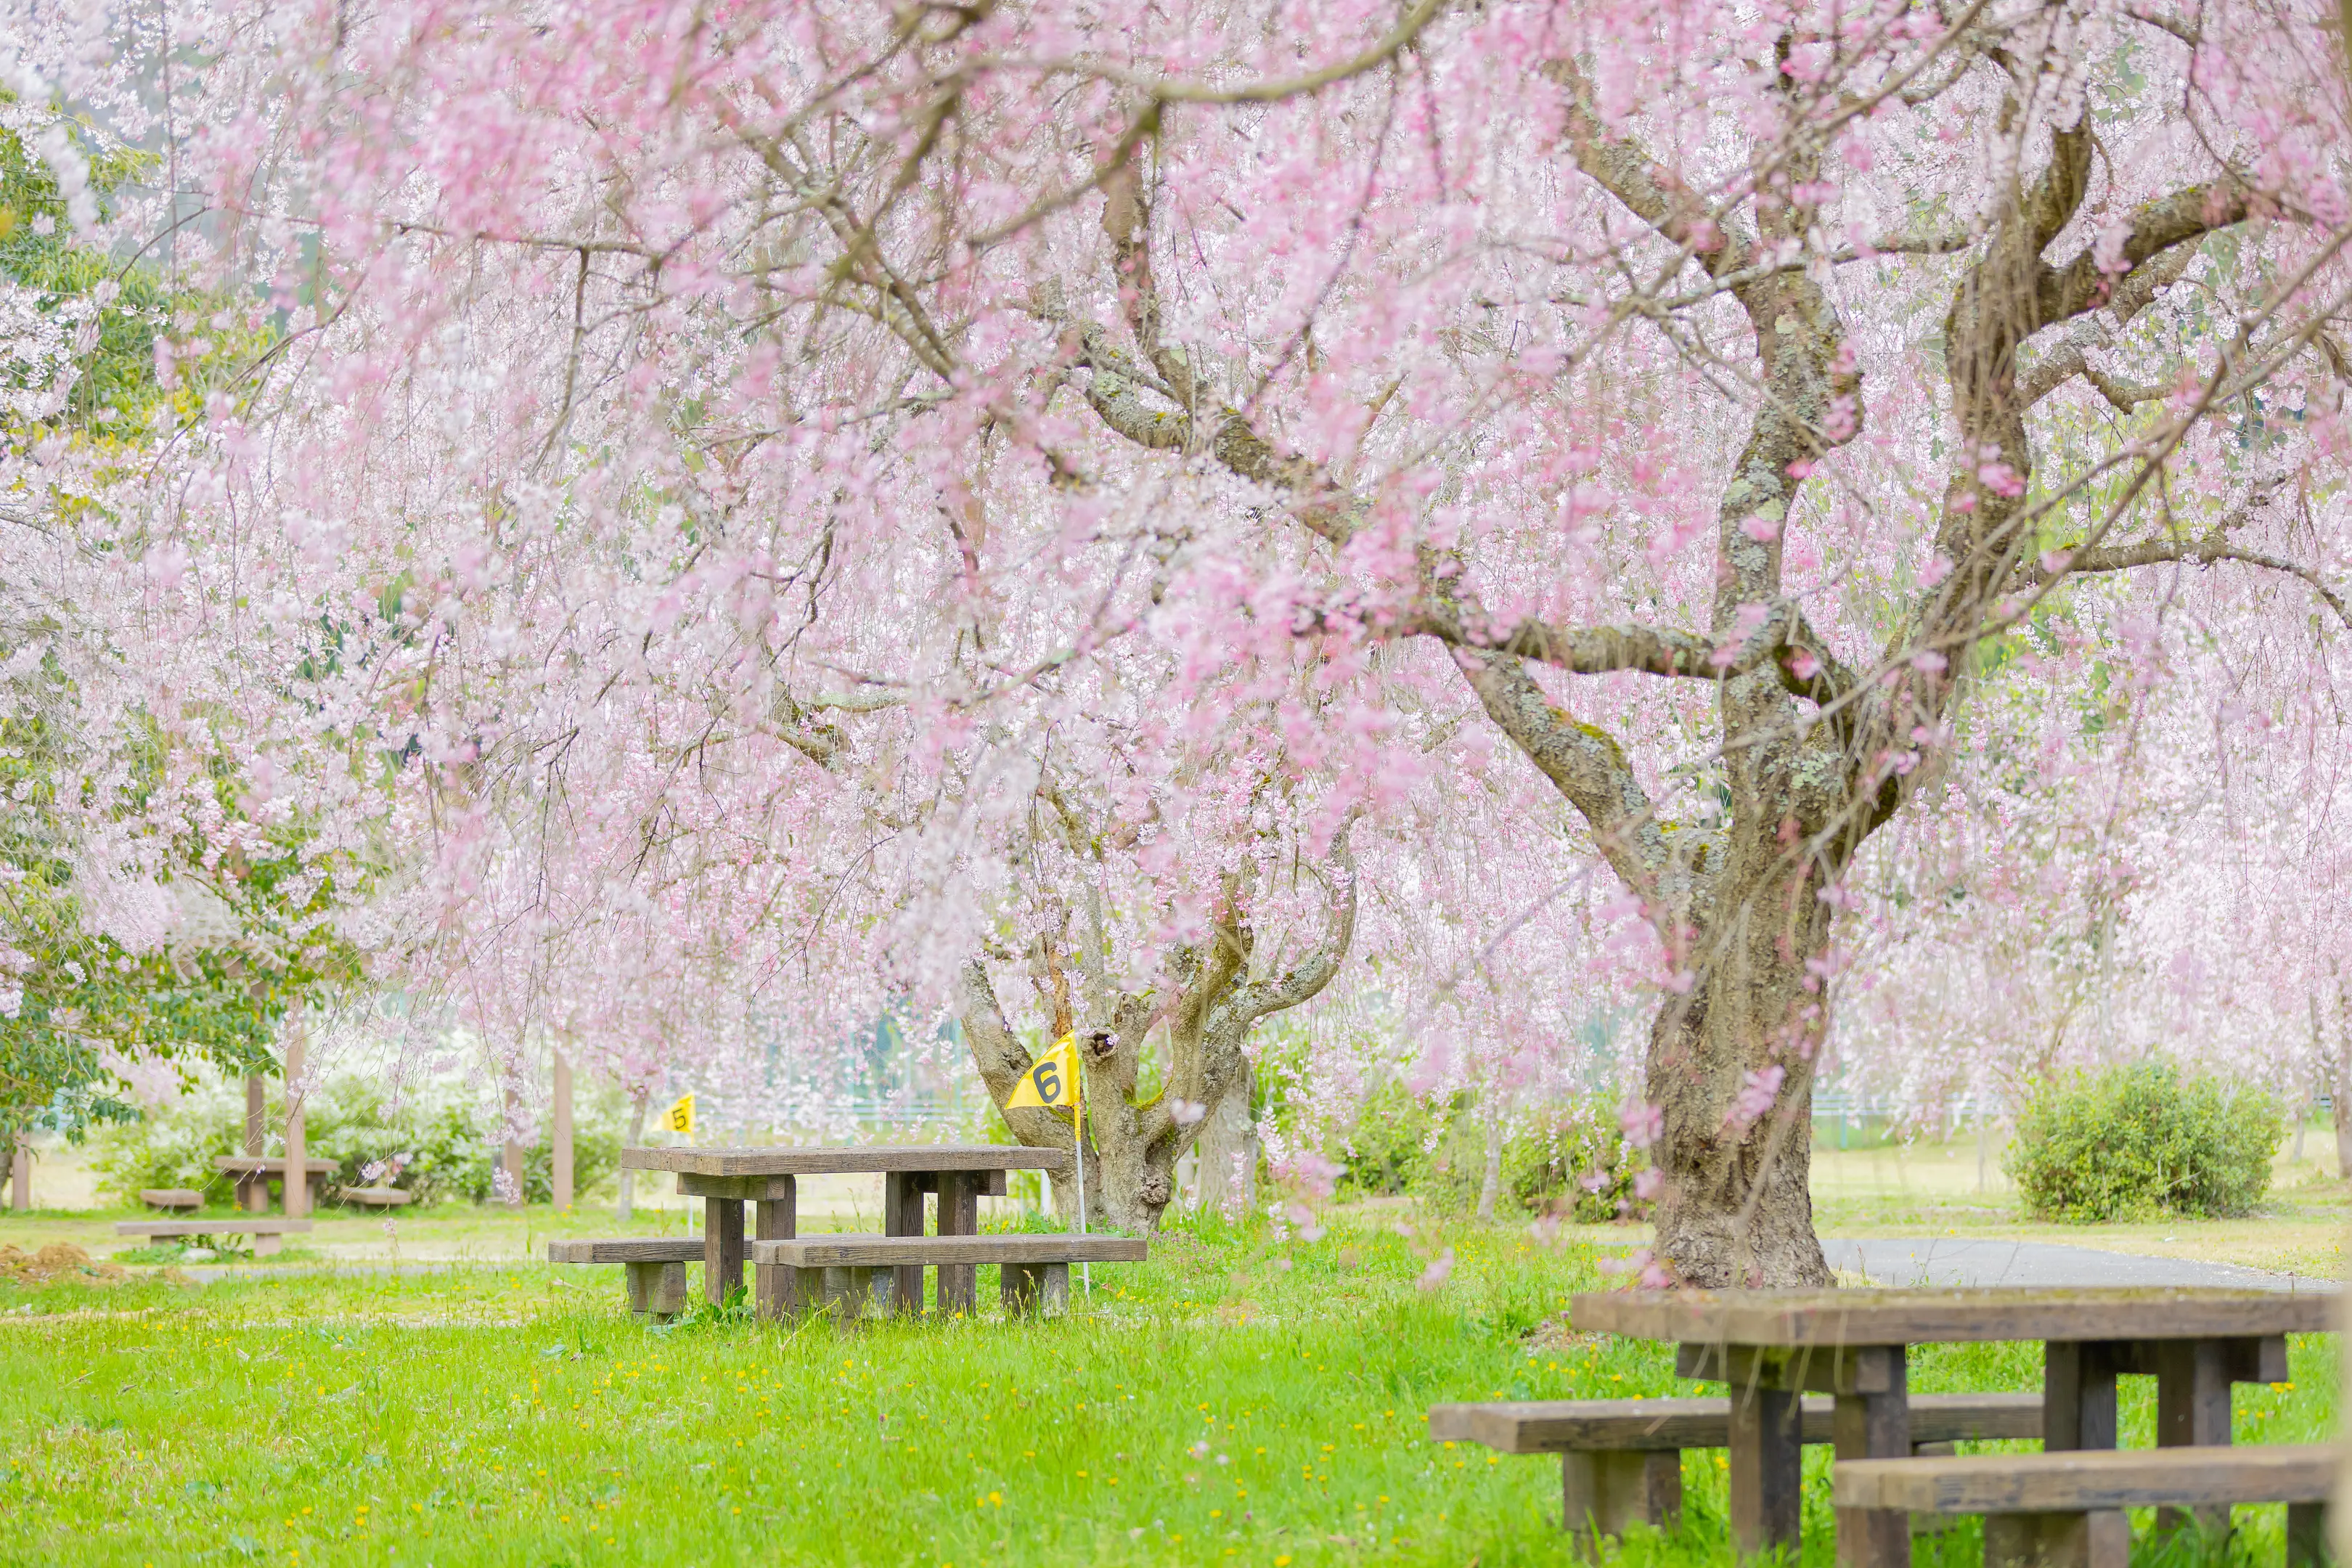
2205,551
1649,189
2063,293
1306,979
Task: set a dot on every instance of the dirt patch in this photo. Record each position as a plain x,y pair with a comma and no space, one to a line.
1554,1335
58,1260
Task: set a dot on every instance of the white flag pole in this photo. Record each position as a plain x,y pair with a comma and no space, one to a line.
1078,1153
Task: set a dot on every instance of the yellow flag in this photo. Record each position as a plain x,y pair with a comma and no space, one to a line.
1053,1082
680,1117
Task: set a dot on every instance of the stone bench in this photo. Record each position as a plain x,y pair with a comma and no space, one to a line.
654,1269
2063,1508
171,1200
374,1197
1620,1459
268,1234
841,1274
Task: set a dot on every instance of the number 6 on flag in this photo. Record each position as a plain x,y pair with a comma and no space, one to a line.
1052,1083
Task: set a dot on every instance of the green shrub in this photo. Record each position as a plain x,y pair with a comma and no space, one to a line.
1388,1149
1573,1153
1566,1159
2132,1142
445,1136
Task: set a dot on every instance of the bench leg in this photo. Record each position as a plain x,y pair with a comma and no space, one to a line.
2306,1534
2192,1410
902,1215
1934,1523
1020,1285
1602,1493
847,1290
775,1219
657,1291
959,1215
1875,1426
1034,1290
265,1245
2101,1540
1767,1470
722,1249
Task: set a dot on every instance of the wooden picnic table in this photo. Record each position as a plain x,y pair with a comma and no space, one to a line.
252,1173
727,1179
1773,1346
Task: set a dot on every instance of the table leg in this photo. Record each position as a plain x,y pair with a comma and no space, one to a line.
902,1215
2078,1394
2192,1409
1767,1455
959,1215
1875,1426
722,1249
776,1218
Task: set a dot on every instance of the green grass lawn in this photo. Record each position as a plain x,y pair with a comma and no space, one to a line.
1238,1399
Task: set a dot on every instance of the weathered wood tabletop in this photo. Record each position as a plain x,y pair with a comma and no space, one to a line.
1772,1346
766,1178
250,1174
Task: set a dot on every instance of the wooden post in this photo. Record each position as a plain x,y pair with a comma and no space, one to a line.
959,1215
775,1285
2101,1540
2078,1394
722,1248
20,1175
2192,1408
902,1215
252,1192
1602,1493
1767,1468
561,1155
298,1182
1875,1426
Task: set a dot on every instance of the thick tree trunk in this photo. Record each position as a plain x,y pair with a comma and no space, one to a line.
1229,1153
2340,1109
1737,1209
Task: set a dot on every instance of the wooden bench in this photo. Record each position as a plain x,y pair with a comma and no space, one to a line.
268,1234
840,1274
1622,1462
374,1197
654,1267
171,1200
2063,1508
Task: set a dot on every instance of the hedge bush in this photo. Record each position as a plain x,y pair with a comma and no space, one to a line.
445,1133
1568,1158
2134,1141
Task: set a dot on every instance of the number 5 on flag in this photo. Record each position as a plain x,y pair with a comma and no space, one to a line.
1053,1082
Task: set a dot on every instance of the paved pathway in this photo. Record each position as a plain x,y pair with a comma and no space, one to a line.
1952,1260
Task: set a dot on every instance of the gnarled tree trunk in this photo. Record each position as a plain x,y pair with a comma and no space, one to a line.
1131,1148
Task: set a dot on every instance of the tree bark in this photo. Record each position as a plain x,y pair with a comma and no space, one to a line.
1131,1148
628,1203
1229,1153
1490,1183
1736,1207
2341,1107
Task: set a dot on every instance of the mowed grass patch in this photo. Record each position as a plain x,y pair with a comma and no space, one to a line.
1238,1399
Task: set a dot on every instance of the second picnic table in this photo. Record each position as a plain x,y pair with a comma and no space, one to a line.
1773,1346
768,1179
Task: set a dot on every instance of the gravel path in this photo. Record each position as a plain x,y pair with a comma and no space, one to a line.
1952,1260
